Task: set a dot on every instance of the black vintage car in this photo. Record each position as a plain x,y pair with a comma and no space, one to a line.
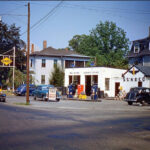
138,95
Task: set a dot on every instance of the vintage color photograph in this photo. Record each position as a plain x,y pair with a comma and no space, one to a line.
74,75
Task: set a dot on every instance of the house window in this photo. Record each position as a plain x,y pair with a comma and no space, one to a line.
79,63
136,48
31,63
42,79
107,84
55,62
43,63
68,63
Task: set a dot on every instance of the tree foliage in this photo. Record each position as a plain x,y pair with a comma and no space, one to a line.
107,42
10,37
57,77
20,78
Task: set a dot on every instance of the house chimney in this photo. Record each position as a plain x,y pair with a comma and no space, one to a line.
44,44
32,48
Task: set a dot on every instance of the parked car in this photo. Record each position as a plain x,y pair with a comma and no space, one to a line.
138,95
42,92
21,90
2,97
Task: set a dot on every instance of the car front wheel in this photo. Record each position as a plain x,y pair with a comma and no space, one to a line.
130,103
34,97
57,99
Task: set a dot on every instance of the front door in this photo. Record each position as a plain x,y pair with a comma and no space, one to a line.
88,85
117,84
139,84
70,80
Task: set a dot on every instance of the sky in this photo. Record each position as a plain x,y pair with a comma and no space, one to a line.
57,22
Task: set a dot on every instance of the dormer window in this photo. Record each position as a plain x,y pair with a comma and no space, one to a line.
136,48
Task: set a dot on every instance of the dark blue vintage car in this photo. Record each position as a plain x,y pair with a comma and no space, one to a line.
138,95
21,90
2,97
42,92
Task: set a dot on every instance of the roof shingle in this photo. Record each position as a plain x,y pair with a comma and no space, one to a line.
50,51
144,69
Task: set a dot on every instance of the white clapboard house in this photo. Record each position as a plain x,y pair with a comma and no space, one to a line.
42,62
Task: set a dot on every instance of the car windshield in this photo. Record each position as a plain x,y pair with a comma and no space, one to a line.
45,88
20,87
39,88
135,89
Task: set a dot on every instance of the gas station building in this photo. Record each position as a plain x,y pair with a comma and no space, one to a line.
108,79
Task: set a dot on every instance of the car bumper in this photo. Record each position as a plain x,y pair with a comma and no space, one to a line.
3,97
130,100
17,93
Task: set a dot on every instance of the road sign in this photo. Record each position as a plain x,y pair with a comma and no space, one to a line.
6,61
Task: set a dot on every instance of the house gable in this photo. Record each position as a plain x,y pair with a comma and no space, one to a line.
136,73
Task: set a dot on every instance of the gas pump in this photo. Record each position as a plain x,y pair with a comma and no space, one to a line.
94,92
71,90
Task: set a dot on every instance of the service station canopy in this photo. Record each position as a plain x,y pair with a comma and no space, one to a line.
6,61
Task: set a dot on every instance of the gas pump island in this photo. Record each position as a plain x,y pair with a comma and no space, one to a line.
74,89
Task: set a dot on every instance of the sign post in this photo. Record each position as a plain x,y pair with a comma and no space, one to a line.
92,65
14,69
6,62
73,65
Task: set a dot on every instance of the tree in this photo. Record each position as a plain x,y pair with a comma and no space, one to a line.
10,37
20,78
107,42
57,77
108,37
83,44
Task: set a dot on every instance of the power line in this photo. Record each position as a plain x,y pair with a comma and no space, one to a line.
12,15
52,14
9,3
43,19
14,9
47,15
105,9
8,51
97,8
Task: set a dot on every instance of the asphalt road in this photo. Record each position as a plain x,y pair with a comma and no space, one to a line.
72,125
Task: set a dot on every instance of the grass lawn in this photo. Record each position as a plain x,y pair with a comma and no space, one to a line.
22,104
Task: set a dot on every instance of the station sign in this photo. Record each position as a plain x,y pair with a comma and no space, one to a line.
6,61
52,93
92,64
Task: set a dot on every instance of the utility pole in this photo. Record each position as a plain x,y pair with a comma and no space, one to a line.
14,55
28,50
